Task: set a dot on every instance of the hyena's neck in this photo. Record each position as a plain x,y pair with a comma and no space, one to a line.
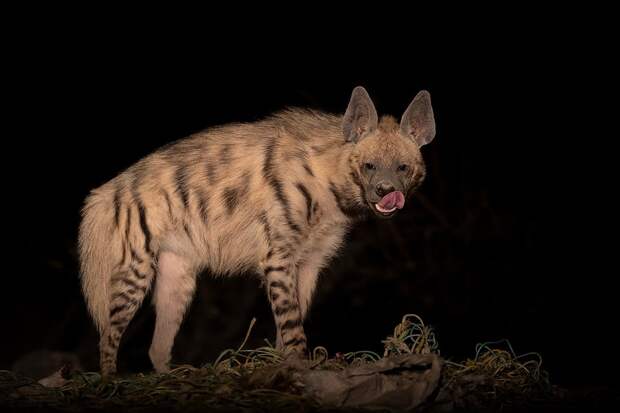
329,155
339,176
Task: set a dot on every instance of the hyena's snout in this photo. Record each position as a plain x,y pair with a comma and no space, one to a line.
390,202
383,188
389,199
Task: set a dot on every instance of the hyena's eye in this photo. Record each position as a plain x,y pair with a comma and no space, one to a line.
369,166
403,167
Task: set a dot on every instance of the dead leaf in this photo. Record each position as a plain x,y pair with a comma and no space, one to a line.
400,382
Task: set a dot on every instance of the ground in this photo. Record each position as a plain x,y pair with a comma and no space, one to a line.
494,379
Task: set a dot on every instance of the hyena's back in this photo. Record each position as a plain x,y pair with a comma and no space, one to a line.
221,199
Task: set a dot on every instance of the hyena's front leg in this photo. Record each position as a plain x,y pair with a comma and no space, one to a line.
281,281
308,274
311,264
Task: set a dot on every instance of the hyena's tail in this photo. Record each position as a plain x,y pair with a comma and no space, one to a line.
98,253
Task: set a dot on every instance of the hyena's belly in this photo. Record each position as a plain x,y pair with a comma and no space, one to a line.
222,248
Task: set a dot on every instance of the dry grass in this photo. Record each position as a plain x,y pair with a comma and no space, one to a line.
495,373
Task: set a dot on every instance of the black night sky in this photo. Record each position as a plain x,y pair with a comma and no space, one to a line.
507,238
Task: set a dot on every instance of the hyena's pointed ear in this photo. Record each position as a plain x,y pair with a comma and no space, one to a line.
360,119
418,121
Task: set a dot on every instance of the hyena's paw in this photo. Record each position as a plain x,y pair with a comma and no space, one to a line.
108,375
161,368
108,370
160,361
297,350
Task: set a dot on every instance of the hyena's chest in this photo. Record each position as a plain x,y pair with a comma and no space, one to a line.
322,241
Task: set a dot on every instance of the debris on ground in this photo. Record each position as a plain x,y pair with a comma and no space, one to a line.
411,374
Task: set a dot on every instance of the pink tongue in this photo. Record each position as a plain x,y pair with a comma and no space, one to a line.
393,199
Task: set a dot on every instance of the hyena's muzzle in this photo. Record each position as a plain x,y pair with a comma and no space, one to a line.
385,193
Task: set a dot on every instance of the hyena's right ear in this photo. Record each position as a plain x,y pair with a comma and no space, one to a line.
360,118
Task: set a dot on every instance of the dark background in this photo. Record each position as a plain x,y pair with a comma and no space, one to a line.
506,239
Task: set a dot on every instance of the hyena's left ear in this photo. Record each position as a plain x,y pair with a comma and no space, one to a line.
418,121
361,116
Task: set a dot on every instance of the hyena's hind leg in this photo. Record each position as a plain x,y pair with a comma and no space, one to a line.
174,289
127,290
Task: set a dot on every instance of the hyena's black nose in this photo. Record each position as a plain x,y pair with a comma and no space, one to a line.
384,188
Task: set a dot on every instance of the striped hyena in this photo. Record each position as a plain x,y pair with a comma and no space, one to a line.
275,196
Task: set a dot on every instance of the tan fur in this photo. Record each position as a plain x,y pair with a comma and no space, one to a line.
274,197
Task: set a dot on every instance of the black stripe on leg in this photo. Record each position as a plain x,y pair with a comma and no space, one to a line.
269,269
106,351
283,252
284,309
295,341
290,324
119,323
137,273
129,282
141,288
280,285
117,309
137,288
126,298
132,284
135,256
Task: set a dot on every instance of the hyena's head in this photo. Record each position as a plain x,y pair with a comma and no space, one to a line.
386,161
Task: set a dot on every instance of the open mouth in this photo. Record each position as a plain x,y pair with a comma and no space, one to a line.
389,204
385,211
